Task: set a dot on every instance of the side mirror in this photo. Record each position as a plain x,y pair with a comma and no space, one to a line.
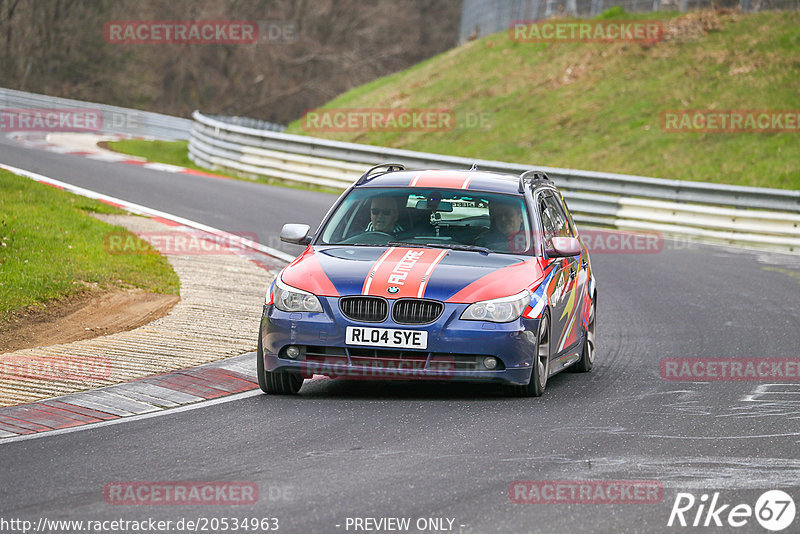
296,234
564,246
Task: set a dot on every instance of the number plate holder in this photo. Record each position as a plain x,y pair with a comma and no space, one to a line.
386,337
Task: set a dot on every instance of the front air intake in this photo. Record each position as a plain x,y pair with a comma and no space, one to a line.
364,309
416,311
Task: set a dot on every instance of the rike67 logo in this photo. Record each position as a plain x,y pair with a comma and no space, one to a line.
774,510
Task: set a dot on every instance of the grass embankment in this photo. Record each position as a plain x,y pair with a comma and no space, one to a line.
53,248
598,106
171,152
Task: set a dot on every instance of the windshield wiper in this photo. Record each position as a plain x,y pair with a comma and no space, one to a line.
408,244
471,248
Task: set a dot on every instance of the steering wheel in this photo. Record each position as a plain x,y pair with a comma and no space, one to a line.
368,238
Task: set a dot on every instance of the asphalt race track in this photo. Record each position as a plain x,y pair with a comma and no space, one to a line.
344,450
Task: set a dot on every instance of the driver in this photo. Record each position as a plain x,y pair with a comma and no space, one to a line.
383,216
505,232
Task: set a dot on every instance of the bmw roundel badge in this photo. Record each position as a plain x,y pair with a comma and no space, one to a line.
393,290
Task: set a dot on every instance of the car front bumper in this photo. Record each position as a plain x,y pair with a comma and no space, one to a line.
455,351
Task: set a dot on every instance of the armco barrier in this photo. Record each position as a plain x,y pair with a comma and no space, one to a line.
116,120
750,216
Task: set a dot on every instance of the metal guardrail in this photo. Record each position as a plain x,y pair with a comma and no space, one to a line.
250,122
116,119
713,212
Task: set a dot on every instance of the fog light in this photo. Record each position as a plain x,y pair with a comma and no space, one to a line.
490,362
292,352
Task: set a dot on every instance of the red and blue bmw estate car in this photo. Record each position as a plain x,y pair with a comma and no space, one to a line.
439,275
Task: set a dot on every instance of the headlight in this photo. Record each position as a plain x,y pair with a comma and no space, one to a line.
290,299
500,310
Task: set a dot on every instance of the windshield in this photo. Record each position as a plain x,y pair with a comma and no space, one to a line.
488,222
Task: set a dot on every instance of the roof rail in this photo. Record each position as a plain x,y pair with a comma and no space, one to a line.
371,173
531,176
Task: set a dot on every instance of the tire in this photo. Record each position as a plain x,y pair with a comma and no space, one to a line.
275,382
541,365
585,364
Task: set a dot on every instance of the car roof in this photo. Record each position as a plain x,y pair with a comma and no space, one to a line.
470,180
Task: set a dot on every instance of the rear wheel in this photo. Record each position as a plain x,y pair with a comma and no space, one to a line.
585,364
275,382
541,364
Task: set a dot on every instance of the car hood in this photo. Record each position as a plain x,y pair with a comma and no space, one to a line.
395,272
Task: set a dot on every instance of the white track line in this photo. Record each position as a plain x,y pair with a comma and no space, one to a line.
143,210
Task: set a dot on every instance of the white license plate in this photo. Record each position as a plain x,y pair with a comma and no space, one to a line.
386,337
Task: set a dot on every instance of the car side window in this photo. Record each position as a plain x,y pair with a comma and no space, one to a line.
548,226
560,225
563,204
570,220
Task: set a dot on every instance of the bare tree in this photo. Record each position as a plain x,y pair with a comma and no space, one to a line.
57,47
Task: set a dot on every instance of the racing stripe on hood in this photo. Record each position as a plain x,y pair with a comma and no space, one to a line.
402,272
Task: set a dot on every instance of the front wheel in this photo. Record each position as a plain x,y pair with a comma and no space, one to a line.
275,382
541,364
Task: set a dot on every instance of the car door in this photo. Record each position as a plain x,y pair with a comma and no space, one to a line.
584,278
566,316
557,285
